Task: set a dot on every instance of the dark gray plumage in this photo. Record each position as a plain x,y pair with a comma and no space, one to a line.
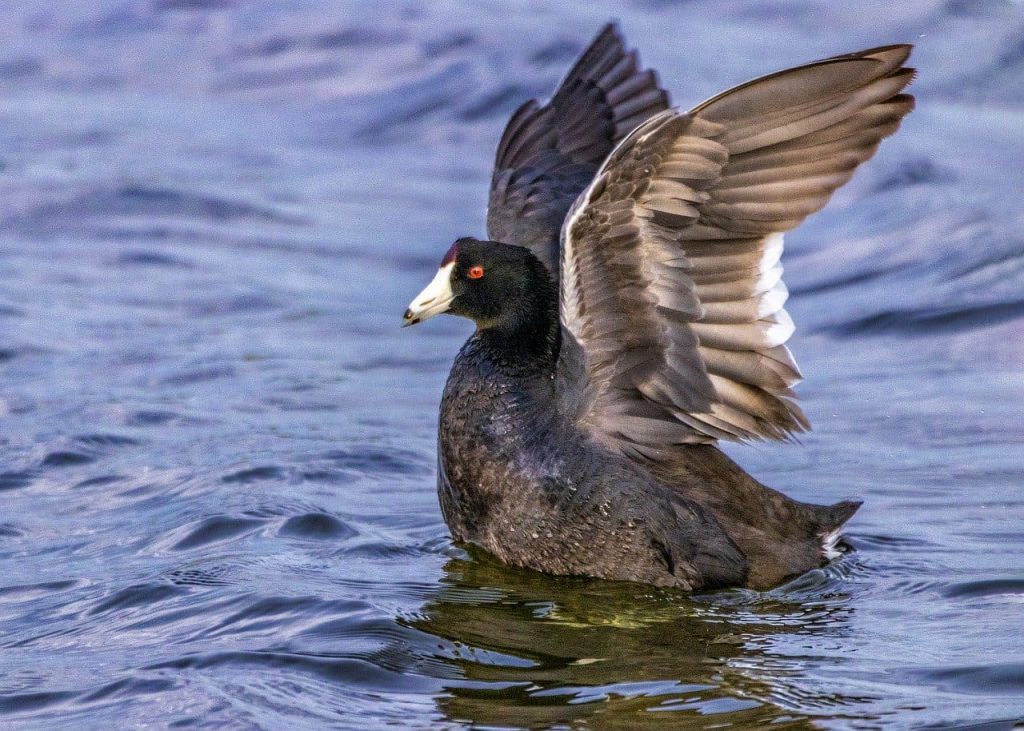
680,231
630,312
549,153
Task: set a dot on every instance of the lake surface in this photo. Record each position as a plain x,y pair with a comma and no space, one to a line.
217,496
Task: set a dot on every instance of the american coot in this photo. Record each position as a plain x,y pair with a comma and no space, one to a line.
629,314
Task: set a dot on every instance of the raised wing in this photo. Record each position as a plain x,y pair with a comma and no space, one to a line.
671,285
549,153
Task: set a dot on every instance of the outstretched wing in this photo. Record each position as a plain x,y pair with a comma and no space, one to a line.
549,153
671,290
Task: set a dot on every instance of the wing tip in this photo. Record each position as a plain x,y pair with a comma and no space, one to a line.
610,28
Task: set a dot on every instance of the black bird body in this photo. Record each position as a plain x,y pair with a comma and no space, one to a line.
517,476
629,313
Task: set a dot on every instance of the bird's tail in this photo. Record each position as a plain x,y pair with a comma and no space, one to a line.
832,518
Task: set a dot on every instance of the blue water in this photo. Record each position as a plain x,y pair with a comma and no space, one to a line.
217,499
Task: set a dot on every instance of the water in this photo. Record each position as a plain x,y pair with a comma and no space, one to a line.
217,469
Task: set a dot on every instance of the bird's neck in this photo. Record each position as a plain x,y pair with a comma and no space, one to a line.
525,340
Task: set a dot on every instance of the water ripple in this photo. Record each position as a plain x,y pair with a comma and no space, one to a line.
215,529
316,526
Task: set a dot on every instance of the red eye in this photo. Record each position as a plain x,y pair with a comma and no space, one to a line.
476,272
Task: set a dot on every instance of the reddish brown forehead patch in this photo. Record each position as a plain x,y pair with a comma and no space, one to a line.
452,254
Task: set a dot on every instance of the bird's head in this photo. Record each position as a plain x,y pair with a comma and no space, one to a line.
486,281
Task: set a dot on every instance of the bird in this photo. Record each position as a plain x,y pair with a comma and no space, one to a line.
629,313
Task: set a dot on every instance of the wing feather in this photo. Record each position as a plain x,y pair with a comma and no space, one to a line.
672,296
549,152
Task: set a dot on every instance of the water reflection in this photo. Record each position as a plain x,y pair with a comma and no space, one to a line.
532,650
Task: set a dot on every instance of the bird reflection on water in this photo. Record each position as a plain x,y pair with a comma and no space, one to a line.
529,650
